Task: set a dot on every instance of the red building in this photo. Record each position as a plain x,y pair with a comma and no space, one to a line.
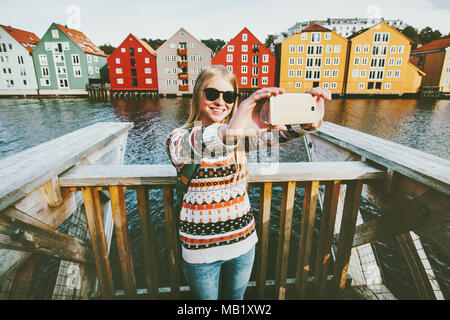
250,61
132,66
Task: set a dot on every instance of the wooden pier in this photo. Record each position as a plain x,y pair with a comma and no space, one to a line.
434,93
413,196
104,92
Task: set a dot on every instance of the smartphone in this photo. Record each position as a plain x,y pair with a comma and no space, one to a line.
292,108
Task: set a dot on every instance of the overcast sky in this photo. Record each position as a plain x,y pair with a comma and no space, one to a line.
111,21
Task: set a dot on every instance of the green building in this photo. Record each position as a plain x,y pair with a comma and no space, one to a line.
66,60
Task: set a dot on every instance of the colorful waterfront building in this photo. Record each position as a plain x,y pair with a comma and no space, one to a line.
378,62
17,74
179,62
132,66
314,57
252,63
434,59
66,60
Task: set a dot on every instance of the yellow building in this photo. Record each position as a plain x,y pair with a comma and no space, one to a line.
314,57
378,62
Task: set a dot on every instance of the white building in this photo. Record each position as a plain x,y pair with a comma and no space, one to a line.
344,26
17,73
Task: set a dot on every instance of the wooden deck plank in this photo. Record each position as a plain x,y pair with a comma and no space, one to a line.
147,241
424,167
94,219
27,170
263,234
306,237
123,242
135,175
284,237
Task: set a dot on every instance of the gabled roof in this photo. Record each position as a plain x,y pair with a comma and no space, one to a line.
315,27
145,45
27,39
436,45
375,26
81,40
166,43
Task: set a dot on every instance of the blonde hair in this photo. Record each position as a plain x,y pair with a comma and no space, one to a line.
205,76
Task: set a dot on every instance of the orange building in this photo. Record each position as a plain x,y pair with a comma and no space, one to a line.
314,57
378,62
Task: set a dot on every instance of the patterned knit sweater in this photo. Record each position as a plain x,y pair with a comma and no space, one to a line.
215,222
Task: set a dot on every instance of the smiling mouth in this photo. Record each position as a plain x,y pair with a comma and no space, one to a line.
218,110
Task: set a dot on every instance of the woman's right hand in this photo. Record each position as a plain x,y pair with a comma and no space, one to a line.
247,120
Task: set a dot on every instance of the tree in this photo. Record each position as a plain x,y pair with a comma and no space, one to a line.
214,44
412,34
107,48
427,35
154,43
269,40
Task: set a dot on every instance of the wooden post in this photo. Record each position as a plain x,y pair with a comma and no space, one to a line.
22,279
172,241
147,241
346,234
52,192
330,203
98,239
123,242
263,244
287,208
306,237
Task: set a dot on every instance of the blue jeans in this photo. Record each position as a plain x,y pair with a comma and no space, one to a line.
203,278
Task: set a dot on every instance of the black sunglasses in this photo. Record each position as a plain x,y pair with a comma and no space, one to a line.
212,94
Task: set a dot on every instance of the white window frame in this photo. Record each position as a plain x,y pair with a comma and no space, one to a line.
292,48
43,60
244,58
264,80
55,34
265,69
243,80
230,48
244,37
119,71
229,58
77,72
148,70
291,73
244,48
244,69
119,80
265,58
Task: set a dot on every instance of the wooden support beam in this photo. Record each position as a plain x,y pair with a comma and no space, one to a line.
52,192
416,267
19,231
330,203
172,241
265,200
306,237
94,218
123,242
346,234
287,208
147,242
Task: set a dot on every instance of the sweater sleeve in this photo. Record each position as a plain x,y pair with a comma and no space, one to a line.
190,145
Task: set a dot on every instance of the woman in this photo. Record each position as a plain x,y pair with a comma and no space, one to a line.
216,225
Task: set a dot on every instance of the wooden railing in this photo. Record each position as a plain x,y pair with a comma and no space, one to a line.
141,178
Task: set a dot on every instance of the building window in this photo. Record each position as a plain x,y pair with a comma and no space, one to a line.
355,73
244,69
90,70
399,62
265,58
381,37
389,74
265,69
326,73
315,37
181,34
230,48
77,71
301,48
366,48
123,50
118,70
254,82
327,61
119,80
364,61
148,70
337,48
243,80
325,85
336,61
379,50
291,61
131,52
334,73
244,37
298,85
255,71
329,48
148,80
393,49
89,59
20,59
61,70
55,34
358,48
139,49
292,49
244,58
327,36
356,62
333,85
361,85
229,58
43,60
299,61
290,73
265,80
397,74
387,85
362,74
47,45
45,81
244,48
299,73
117,60
45,72
230,68
304,36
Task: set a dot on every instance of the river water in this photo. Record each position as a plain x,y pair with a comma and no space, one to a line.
419,124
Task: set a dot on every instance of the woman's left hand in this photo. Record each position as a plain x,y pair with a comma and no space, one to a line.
321,95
